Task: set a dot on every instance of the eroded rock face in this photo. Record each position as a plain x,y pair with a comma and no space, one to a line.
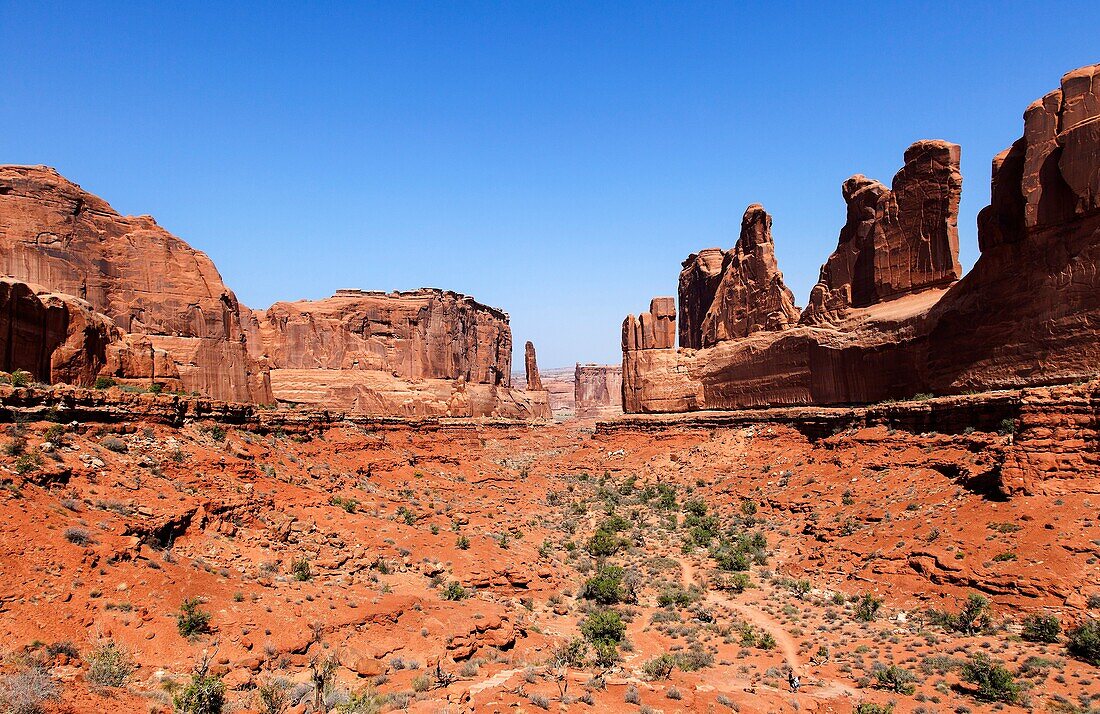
531,368
897,321
750,295
699,280
57,338
598,390
653,330
896,241
55,234
129,300
419,334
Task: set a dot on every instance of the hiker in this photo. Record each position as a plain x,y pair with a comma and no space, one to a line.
793,680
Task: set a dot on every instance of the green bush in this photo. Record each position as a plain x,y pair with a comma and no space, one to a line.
204,694
20,378
301,570
455,591
605,587
104,382
872,708
895,679
659,667
867,607
109,665
192,620
970,620
1084,642
462,543
603,626
602,544
993,680
1041,628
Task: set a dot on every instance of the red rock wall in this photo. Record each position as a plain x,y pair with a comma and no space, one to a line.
889,320
750,296
427,333
55,234
531,368
598,390
699,280
896,241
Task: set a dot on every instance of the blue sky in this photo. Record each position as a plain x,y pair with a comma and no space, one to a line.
557,160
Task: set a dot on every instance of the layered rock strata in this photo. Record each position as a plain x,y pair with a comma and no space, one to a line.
598,390
890,317
92,293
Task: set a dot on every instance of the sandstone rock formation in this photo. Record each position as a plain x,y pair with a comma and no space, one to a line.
890,318
750,295
55,234
653,330
122,297
598,390
699,280
531,368
896,241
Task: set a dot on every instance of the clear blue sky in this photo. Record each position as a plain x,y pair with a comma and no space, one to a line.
558,160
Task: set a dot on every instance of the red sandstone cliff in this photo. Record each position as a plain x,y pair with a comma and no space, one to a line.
889,317
147,281
93,293
598,390
531,369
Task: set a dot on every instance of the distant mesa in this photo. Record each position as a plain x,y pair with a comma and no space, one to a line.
892,315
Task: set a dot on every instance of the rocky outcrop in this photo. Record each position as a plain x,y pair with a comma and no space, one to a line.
699,280
419,334
56,338
896,241
531,368
750,295
598,390
147,281
122,297
890,318
653,330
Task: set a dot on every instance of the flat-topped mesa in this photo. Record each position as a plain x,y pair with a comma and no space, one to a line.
896,241
58,236
699,280
750,296
653,330
426,333
531,367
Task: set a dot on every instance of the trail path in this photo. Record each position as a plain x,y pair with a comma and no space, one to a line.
825,688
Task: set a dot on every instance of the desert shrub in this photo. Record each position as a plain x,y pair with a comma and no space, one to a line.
192,620
301,570
462,542
273,695
1007,427
113,443
20,378
971,619
605,587
348,504
603,543
1084,642
677,596
109,665
694,659
570,654
732,582
539,700
455,591
78,536
993,681
605,654
104,382
16,445
659,667
632,696
766,641
204,694
1041,628
27,692
895,679
738,553
867,607
25,464
368,701
872,708
603,626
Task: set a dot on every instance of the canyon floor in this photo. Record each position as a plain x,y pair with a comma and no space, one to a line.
665,566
